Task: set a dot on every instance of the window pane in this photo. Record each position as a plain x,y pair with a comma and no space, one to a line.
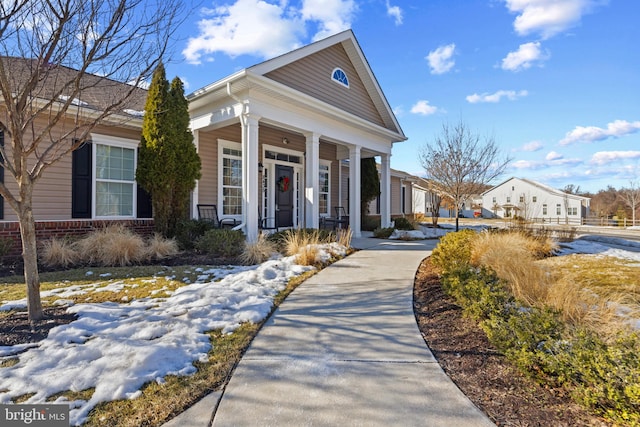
114,199
232,201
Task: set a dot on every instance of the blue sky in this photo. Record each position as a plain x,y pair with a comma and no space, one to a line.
556,83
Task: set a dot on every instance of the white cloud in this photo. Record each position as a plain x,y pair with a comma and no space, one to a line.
423,108
606,157
527,55
527,164
257,27
547,17
332,16
395,12
532,146
615,129
440,59
497,96
553,155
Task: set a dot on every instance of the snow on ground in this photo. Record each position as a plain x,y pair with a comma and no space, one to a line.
116,348
593,244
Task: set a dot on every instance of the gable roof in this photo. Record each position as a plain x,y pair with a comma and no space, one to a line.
543,187
257,74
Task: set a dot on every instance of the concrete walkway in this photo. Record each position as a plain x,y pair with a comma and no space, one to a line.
343,350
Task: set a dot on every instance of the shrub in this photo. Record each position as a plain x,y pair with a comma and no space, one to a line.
369,223
258,252
58,252
188,231
402,223
383,233
221,242
6,244
454,251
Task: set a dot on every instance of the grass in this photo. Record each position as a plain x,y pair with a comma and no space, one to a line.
159,401
593,291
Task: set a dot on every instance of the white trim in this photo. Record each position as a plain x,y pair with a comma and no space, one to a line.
113,141
270,166
328,164
333,79
222,144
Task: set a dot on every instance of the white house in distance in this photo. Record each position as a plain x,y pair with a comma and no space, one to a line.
533,201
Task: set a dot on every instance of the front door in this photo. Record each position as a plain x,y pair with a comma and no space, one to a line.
284,195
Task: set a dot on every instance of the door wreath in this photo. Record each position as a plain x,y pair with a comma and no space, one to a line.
283,183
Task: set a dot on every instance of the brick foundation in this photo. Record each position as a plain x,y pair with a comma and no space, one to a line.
47,229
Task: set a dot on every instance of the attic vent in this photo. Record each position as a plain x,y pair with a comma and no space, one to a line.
340,76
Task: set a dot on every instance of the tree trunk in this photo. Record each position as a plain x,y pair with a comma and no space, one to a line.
457,219
30,259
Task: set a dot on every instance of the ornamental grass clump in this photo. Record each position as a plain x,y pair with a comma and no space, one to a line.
259,251
58,252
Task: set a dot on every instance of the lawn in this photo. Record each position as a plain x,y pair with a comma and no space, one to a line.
148,341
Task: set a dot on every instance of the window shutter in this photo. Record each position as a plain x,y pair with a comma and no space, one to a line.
144,203
81,181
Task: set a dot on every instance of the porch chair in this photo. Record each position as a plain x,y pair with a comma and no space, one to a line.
263,223
210,213
342,219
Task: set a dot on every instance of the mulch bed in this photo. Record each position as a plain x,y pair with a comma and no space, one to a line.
480,371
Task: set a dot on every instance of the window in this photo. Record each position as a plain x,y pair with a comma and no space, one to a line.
558,209
103,180
115,180
508,199
544,209
494,200
573,211
340,76
534,199
325,185
230,167
521,199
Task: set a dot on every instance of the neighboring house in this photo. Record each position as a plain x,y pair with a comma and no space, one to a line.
517,197
409,196
93,185
272,137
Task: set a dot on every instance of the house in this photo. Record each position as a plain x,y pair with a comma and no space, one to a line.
518,197
78,193
410,196
272,137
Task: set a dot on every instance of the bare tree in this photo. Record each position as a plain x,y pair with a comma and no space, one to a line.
67,66
631,197
459,163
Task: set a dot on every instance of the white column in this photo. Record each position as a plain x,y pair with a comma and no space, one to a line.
385,190
354,190
312,181
250,194
194,194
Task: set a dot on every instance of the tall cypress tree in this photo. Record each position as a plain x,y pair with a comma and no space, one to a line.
369,183
168,164
187,163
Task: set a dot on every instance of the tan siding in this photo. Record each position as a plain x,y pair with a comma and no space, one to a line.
52,193
208,151
312,76
396,196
